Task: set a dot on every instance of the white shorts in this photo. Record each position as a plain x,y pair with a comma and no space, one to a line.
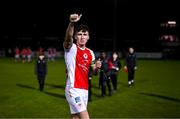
23,56
77,99
17,56
29,56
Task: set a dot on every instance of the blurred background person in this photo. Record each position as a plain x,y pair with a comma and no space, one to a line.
50,54
53,53
29,54
114,66
131,65
40,50
41,71
24,54
17,54
104,76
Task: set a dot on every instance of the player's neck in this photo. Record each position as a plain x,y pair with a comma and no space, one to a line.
81,46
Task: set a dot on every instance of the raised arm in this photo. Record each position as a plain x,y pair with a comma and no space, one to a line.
70,30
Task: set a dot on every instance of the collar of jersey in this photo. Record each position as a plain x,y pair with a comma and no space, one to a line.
81,48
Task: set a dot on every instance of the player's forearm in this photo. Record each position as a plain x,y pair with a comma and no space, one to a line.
70,31
69,35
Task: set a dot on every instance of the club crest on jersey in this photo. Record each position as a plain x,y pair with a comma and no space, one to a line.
85,56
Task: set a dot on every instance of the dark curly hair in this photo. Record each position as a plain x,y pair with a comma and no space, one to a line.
82,27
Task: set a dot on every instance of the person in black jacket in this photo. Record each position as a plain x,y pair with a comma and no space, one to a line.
131,65
104,77
41,71
114,66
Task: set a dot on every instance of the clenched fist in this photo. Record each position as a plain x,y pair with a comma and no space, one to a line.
75,17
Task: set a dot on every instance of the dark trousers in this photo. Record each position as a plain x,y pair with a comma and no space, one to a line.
41,80
114,81
103,84
130,74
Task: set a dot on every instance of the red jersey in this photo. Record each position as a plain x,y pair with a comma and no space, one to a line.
77,62
24,51
17,51
29,51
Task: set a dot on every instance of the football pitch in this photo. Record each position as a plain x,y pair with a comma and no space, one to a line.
156,93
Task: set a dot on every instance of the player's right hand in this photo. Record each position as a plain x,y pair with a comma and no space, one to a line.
75,17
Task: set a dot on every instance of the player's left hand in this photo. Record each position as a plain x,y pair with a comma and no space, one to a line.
135,68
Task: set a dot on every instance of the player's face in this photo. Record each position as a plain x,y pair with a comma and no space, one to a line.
82,38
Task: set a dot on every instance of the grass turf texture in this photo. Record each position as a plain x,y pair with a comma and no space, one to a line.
156,92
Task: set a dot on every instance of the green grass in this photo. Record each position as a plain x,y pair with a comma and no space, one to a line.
156,92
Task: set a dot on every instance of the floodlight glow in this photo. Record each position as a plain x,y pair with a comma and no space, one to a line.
172,22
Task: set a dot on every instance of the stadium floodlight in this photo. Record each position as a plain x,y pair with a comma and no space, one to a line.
172,22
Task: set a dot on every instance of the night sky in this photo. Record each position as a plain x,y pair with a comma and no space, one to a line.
130,22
